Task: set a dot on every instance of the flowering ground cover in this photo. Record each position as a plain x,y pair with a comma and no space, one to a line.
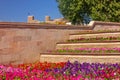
61,71
98,31
94,39
89,50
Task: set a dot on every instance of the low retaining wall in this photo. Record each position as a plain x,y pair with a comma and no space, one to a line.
98,35
81,58
88,45
98,25
23,43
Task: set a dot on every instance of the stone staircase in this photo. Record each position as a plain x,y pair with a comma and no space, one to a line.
93,39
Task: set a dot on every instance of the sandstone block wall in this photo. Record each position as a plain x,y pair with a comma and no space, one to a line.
98,25
24,45
23,42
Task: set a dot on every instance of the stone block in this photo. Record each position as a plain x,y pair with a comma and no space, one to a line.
80,58
88,45
77,36
6,51
21,38
106,27
2,33
9,58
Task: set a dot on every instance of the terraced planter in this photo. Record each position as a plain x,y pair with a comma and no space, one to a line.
89,50
61,71
99,31
97,39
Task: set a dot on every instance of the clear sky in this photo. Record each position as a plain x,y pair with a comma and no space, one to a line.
18,10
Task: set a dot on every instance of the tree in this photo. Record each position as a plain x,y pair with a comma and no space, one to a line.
106,10
81,11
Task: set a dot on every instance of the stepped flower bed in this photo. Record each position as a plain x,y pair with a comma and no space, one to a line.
89,50
98,31
95,39
61,71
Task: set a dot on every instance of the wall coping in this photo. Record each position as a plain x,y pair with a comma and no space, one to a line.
23,25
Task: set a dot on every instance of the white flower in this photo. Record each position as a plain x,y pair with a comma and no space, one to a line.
114,73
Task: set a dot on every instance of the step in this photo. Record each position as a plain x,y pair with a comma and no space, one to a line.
71,53
77,36
91,58
96,32
88,45
90,41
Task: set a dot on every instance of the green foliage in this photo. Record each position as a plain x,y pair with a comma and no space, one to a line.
106,10
73,10
100,10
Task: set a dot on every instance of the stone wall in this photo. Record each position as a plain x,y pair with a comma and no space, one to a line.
98,25
20,44
23,42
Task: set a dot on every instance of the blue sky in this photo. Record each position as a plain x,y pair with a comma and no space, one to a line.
18,10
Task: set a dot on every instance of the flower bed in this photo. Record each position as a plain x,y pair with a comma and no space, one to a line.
95,39
98,31
90,50
61,71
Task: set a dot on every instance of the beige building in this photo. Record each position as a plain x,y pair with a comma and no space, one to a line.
32,20
48,20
